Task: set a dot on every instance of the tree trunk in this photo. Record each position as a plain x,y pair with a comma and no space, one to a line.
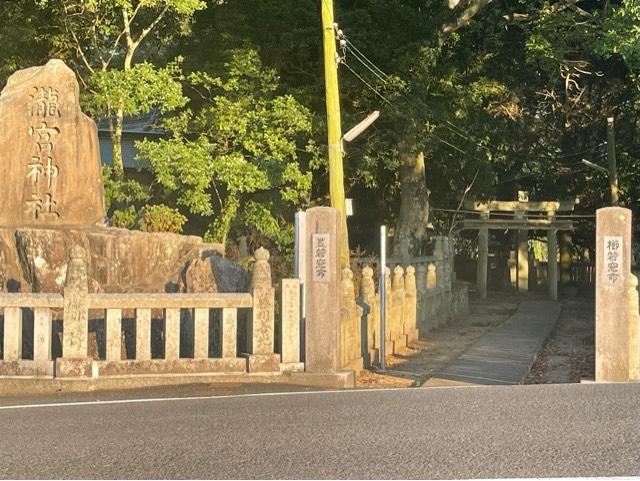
411,230
116,138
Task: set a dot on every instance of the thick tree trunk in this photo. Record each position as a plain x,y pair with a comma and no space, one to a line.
411,230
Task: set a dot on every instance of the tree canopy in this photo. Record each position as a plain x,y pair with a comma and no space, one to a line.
477,97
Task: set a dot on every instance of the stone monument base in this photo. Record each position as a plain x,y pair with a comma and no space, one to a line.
118,260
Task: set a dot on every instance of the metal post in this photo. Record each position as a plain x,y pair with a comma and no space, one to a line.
382,289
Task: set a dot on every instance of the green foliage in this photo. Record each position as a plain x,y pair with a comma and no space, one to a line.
120,193
242,144
136,91
621,34
125,218
160,218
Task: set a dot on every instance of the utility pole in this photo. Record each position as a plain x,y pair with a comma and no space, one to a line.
336,171
611,156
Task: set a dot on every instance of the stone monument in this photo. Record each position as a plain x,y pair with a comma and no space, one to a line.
322,328
52,199
49,157
617,319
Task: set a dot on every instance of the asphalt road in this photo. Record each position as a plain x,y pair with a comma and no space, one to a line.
511,431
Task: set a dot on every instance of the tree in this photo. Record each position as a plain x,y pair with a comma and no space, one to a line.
236,158
103,38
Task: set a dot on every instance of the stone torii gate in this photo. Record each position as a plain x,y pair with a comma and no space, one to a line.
514,215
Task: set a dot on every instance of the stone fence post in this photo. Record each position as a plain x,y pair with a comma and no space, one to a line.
617,319
75,361
261,357
322,325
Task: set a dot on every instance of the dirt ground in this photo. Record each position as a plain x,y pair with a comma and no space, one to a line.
414,365
568,355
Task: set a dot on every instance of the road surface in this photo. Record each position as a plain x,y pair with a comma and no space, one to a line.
501,431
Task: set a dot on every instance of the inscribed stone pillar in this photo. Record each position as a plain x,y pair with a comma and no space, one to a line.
290,320
50,166
552,263
75,324
617,353
262,326
322,326
483,262
523,260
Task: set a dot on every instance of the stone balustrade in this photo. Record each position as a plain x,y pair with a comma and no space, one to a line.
191,313
41,307
420,296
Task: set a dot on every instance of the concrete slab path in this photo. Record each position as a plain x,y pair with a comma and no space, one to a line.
505,354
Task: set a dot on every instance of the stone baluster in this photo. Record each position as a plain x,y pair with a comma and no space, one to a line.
114,335
229,333
261,357
201,333
388,307
42,334
350,318
432,276
75,361
12,334
452,258
410,305
172,334
397,312
368,302
143,334
438,252
421,291
446,263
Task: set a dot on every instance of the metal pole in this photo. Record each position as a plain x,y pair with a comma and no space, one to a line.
382,289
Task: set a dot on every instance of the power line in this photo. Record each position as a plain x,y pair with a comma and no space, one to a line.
343,62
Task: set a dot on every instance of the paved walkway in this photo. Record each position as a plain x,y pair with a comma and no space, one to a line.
505,354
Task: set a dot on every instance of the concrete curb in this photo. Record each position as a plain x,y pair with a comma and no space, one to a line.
12,386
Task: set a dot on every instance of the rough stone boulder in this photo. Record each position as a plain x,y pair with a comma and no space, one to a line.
119,260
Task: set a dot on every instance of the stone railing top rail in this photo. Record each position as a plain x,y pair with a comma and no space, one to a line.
397,260
170,301
23,299
133,301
